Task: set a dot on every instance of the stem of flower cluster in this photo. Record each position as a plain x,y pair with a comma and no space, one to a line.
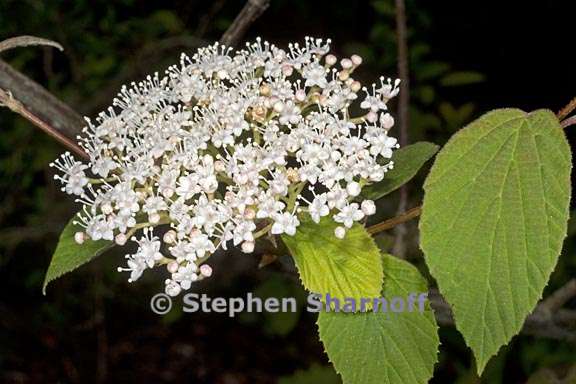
262,232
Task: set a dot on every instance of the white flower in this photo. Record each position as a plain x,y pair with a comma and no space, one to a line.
186,275
154,204
315,74
136,267
74,177
349,214
187,186
223,147
387,90
148,248
200,244
284,223
172,288
101,228
337,197
318,208
268,206
243,232
374,103
290,114
383,145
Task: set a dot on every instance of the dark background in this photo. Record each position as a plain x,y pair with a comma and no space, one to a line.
466,57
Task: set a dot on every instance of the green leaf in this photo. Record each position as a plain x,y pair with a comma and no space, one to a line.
456,79
494,217
407,161
69,255
344,268
384,347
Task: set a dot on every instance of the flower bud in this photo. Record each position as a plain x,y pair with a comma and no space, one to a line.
79,237
172,266
265,90
340,232
331,59
170,237
172,288
300,95
372,116
154,218
206,270
120,239
292,175
219,166
346,63
368,207
353,188
387,121
278,106
106,208
167,192
249,213
356,60
287,70
248,247
259,113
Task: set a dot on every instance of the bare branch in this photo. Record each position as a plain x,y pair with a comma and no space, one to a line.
538,323
207,18
32,101
560,296
251,11
568,122
35,99
7,100
393,222
564,112
24,41
403,104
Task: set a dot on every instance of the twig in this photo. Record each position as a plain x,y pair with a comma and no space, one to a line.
560,296
207,18
564,112
56,115
404,100
538,323
7,100
568,122
23,41
251,11
393,222
56,118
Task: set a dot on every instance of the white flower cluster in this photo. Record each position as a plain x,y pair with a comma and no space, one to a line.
228,147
